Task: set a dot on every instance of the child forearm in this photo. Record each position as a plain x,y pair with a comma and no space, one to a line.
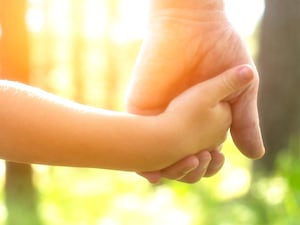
37,127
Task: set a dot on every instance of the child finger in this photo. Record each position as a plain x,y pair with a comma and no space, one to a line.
216,163
195,175
228,83
181,168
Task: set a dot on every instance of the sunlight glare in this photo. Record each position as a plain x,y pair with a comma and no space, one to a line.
35,20
162,204
60,17
245,14
34,1
3,213
95,18
235,183
273,191
108,221
133,20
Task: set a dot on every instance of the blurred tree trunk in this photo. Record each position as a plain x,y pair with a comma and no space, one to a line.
20,194
279,65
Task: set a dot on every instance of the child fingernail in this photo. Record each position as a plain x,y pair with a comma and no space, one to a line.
246,73
205,166
186,172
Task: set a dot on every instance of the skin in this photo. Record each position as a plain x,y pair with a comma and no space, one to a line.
189,42
38,127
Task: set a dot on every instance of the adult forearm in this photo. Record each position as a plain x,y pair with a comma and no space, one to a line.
192,4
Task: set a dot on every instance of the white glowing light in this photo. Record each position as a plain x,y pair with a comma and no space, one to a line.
133,21
236,183
35,20
244,14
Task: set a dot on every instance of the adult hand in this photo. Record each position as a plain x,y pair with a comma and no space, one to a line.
187,43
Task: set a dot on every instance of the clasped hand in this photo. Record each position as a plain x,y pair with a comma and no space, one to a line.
184,47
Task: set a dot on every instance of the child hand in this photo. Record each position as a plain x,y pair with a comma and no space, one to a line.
201,116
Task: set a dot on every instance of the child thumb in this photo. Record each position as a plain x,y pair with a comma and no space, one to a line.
229,82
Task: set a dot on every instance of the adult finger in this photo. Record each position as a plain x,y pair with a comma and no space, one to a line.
242,80
245,129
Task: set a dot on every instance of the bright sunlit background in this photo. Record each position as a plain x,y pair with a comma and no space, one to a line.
76,46
133,17
58,21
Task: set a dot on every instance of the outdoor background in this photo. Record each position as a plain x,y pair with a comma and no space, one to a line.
85,50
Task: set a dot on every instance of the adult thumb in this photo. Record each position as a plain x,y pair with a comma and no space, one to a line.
241,84
232,81
245,129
